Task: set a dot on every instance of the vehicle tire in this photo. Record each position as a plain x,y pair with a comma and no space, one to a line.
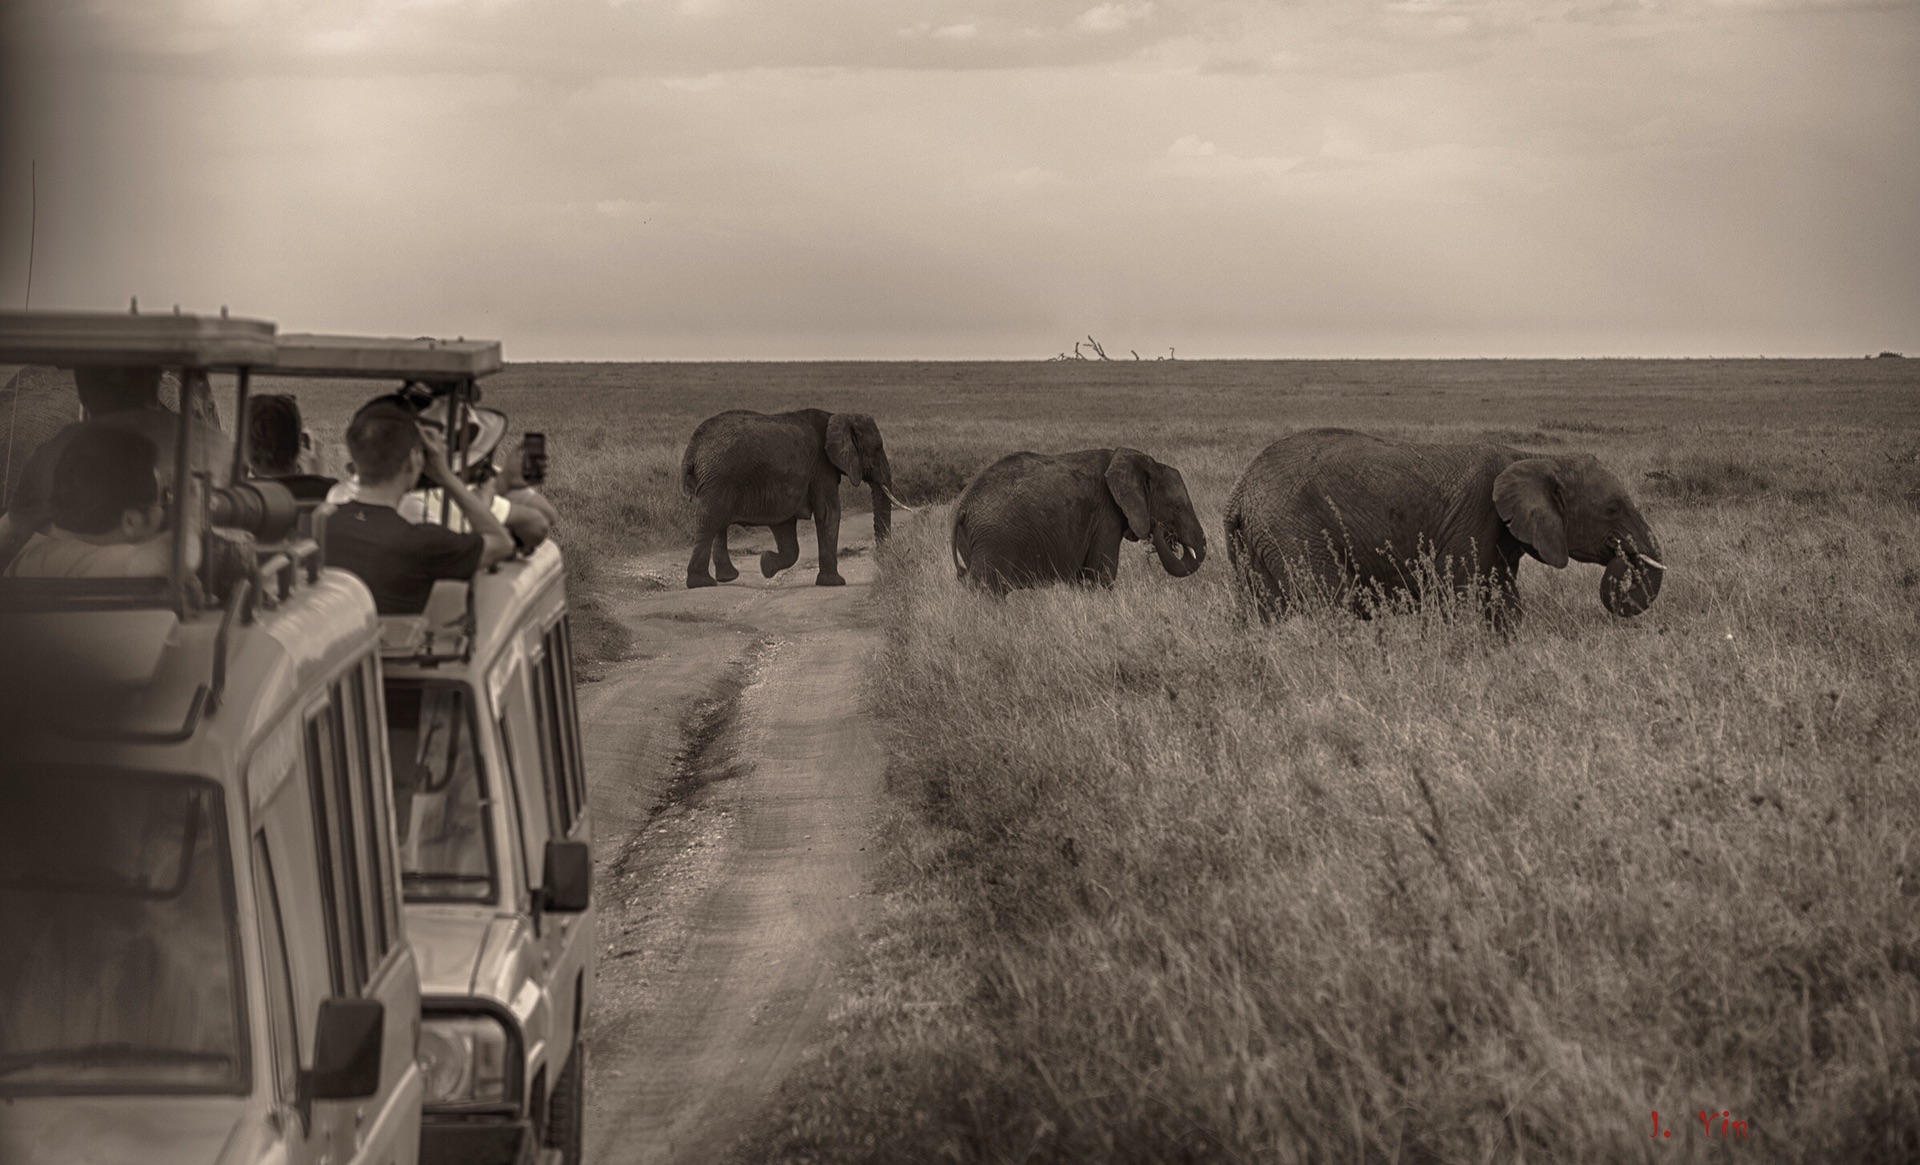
567,1107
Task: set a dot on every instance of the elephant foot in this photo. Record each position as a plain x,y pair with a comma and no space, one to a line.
829,579
726,573
770,564
696,581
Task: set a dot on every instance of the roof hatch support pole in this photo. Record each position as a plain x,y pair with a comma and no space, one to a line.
182,492
240,426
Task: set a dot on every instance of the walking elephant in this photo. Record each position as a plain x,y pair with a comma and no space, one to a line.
1347,515
1035,518
745,468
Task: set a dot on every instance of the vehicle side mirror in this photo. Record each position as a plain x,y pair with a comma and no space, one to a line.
567,878
346,1050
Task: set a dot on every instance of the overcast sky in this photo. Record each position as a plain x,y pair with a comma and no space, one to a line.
671,179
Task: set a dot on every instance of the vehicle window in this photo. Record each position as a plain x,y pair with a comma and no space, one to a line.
333,835
379,795
364,821
559,729
439,793
570,721
553,755
119,972
273,957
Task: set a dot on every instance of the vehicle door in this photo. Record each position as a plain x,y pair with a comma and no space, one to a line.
563,770
295,933
519,740
353,836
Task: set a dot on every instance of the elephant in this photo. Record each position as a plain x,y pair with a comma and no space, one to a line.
1353,517
1035,518
772,469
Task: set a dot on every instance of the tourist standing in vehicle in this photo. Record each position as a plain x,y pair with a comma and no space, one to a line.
397,559
527,515
279,447
109,512
117,397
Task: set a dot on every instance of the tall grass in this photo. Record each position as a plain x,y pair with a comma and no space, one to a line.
1161,885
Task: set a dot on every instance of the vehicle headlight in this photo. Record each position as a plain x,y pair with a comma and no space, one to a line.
464,1058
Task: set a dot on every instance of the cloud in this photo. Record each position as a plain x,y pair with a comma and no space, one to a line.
695,84
1006,184
1190,157
1114,17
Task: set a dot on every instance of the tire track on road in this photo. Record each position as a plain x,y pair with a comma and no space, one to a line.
727,914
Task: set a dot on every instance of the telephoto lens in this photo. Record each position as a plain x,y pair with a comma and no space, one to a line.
265,509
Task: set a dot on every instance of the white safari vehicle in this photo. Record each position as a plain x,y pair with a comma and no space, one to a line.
201,949
490,796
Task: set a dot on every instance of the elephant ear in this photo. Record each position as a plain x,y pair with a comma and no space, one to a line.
1527,496
841,449
1127,481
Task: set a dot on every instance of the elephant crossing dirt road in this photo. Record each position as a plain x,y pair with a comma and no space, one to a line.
743,468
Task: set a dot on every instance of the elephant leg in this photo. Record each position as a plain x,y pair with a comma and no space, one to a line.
826,529
697,575
786,550
723,568
1101,563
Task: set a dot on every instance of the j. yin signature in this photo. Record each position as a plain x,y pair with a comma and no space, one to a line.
1728,1128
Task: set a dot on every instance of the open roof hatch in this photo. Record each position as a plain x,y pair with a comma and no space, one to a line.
451,368
65,615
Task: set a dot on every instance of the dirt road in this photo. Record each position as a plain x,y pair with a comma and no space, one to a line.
733,772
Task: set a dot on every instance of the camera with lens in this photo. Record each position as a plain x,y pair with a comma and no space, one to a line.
265,509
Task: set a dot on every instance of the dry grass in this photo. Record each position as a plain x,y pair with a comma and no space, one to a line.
1161,886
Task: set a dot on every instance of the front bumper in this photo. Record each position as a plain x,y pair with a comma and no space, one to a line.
476,1141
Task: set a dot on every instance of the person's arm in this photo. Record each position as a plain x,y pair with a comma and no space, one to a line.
519,491
155,555
479,514
534,499
528,526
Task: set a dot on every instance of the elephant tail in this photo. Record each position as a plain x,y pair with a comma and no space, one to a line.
689,477
1254,586
959,535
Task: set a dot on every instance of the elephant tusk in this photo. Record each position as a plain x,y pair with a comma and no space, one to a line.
896,501
1649,561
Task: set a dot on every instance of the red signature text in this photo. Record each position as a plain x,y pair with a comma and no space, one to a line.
1712,1124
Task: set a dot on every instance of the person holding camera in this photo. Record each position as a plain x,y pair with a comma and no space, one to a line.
400,560
109,512
527,515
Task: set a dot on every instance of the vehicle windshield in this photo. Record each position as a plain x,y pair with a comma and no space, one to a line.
119,971
439,793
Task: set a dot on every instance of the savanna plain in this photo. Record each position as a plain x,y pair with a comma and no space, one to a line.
1160,884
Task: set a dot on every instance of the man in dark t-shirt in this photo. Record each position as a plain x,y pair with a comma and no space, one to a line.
397,559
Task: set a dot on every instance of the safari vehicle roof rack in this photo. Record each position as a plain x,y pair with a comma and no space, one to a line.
197,346
451,368
380,358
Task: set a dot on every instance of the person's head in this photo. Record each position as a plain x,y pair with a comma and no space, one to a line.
117,388
276,440
106,484
384,441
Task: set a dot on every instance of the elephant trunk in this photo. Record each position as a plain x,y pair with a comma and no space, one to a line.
1632,580
882,511
1179,558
